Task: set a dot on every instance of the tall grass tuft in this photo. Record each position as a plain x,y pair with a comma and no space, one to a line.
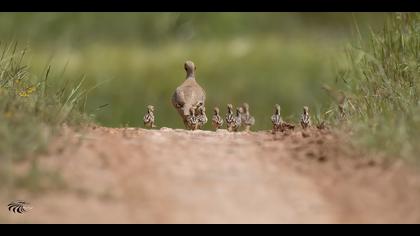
379,89
31,110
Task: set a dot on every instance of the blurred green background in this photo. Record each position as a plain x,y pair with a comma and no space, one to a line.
137,58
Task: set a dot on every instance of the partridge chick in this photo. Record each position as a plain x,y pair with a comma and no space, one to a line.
192,121
247,119
149,117
238,119
230,118
201,117
276,119
305,120
216,120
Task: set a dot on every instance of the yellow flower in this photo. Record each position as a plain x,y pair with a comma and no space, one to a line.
28,91
23,94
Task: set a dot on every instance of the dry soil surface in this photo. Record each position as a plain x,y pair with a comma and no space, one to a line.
133,175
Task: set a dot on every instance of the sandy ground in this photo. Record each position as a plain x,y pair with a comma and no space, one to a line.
176,176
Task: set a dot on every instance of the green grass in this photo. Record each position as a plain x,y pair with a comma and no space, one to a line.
380,87
31,112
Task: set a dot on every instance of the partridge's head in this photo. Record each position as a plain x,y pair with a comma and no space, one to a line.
216,111
201,110
189,68
239,110
277,109
229,107
150,108
305,109
245,107
192,111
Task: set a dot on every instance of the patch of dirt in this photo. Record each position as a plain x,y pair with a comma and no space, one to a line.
132,175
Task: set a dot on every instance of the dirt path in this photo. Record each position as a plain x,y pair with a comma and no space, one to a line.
177,176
